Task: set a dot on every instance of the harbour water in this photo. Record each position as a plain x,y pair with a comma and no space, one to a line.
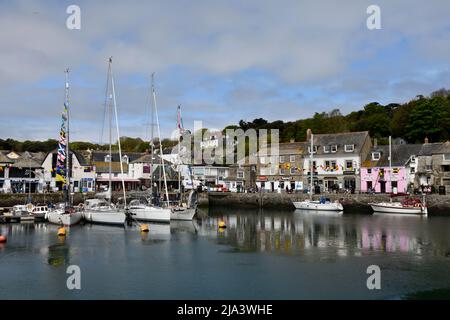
260,255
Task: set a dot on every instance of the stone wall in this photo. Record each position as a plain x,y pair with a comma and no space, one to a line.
353,203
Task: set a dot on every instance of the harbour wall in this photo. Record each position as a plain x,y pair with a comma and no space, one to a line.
353,203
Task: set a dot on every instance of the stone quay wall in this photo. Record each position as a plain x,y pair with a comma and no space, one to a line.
353,203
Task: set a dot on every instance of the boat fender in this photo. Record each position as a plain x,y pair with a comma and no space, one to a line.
3,239
62,232
144,228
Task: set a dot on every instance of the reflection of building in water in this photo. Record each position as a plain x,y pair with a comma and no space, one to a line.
288,233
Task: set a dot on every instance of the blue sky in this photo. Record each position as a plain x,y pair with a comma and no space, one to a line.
223,61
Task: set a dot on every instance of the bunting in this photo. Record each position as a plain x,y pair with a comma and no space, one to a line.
62,147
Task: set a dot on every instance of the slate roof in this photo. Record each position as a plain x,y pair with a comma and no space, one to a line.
340,139
400,155
146,158
99,156
4,159
428,149
81,159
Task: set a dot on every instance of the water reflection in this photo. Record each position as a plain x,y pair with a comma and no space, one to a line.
300,232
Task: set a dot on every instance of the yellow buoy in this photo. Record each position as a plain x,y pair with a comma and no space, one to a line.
222,224
144,228
62,231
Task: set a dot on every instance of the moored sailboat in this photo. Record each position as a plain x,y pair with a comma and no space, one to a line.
64,213
323,204
98,210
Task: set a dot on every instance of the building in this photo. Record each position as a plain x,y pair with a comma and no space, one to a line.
433,166
276,172
21,172
82,174
337,160
378,176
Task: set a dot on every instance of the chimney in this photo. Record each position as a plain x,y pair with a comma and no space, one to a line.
308,134
292,140
426,140
375,142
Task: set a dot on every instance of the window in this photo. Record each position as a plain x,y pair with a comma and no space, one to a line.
394,184
369,171
413,159
369,185
292,171
349,148
107,158
429,167
281,171
376,156
333,164
262,160
281,159
327,163
272,170
326,149
125,159
412,170
314,149
395,170
334,148
349,164
240,174
292,158
446,168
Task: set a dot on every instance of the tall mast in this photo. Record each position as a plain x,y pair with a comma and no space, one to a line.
110,132
179,156
311,169
390,163
68,200
118,133
151,140
160,144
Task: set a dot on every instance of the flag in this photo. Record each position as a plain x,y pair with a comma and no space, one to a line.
62,147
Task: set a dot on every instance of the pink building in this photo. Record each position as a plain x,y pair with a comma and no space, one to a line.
376,174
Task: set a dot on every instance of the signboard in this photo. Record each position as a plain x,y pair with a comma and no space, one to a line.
286,178
348,172
262,178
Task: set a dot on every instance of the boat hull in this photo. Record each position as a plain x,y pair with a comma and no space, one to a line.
111,217
184,214
151,214
65,219
390,208
315,205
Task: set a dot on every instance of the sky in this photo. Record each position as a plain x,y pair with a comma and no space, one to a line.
221,60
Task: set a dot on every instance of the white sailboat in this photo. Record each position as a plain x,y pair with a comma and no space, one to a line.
183,211
99,210
64,213
407,206
146,211
323,204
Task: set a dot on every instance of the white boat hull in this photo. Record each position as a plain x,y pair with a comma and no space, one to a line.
316,205
396,207
66,219
113,216
184,214
150,214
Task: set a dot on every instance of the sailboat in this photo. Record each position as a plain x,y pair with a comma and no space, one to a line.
64,213
409,205
183,210
103,211
148,211
323,204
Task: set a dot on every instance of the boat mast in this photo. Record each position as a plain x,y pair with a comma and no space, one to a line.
118,134
151,142
179,156
390,164
68,200
110,132
160,144
311,169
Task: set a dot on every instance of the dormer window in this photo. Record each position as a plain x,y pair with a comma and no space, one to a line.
107,158
376,156
326,149
349,148
314,149
334,148
125,159
413,159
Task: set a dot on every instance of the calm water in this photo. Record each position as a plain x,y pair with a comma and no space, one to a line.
261,255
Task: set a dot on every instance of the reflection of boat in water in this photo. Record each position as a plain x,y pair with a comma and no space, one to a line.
58,254
178,226
326,213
